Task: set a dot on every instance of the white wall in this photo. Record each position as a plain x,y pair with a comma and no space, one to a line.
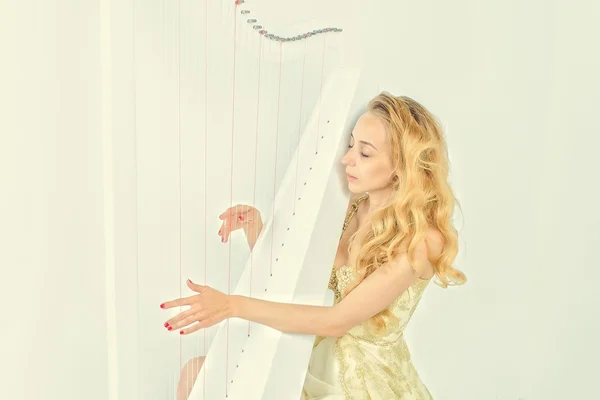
53,325
514,84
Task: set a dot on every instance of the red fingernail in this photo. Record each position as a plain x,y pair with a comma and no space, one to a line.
166,324
181,332
162,306
170,328
241,218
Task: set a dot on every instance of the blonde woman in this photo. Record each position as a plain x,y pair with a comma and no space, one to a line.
396,237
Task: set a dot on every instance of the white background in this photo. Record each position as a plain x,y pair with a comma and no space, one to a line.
513,83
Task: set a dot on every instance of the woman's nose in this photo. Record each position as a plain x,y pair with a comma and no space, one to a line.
347,159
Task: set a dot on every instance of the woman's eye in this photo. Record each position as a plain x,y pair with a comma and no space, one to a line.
362,154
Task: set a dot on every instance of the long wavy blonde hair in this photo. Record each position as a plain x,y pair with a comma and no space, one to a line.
422,196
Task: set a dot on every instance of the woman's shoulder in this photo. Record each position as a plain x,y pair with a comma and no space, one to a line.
434,242
430,248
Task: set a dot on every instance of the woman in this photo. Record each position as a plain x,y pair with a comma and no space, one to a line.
396,237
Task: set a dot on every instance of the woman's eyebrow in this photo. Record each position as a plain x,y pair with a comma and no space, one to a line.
363,142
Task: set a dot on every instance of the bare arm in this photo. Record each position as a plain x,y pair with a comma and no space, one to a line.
370,297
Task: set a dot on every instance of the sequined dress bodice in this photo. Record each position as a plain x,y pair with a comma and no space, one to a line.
364,364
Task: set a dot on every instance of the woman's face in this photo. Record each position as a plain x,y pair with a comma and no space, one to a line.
368,160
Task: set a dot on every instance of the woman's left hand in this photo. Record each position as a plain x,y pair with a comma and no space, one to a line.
207,308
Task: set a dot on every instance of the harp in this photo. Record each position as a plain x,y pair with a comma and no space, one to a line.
275,103
227,109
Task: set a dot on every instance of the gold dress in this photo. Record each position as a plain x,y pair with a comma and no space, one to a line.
362,365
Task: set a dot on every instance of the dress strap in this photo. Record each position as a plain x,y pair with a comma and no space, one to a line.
352,211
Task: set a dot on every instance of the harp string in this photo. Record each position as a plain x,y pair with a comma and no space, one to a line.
260,42
180,162
231,188
300,126
275,163
321,91
205,168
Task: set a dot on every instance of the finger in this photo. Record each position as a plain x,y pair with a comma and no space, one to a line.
182,323
195,287
184,301
191,329
206,323
229,212
175,322
240,208
202,324
225,231
244,219
231,224
226,213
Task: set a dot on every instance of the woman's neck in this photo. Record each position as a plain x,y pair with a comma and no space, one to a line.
378,199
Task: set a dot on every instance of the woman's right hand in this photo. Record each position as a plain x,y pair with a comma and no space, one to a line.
244,217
